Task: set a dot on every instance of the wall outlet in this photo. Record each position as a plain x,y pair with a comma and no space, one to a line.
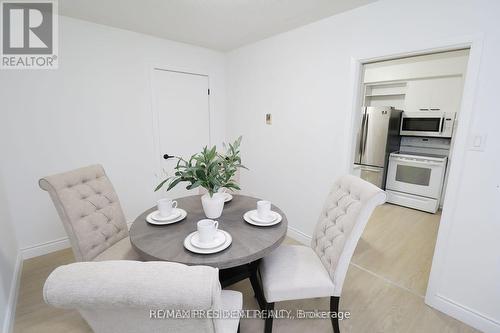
269,120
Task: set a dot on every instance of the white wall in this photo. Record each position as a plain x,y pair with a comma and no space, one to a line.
94,109
305,78
8,260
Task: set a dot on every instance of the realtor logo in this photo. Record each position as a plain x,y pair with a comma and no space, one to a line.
29,34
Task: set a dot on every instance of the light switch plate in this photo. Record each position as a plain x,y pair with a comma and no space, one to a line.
478,142
269,120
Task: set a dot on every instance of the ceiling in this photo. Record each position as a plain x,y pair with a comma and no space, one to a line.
217,24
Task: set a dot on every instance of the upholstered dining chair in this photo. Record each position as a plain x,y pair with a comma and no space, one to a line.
297,272
91,214
126,296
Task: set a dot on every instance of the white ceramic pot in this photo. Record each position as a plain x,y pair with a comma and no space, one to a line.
213,206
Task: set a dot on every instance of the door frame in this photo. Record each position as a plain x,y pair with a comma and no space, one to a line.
155,130
461,144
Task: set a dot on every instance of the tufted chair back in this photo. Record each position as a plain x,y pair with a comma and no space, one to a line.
133,303
345,214
89,209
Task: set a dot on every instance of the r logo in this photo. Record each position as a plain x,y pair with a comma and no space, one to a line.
27,27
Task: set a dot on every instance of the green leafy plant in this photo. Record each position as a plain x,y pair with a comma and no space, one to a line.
208,169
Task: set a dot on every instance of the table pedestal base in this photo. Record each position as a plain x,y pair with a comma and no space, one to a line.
232,275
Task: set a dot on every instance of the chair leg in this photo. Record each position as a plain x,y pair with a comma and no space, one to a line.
254,268
268,325
257,288
334,307
238,331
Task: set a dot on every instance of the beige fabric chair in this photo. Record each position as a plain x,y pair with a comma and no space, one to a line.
125,296
91,214
298,272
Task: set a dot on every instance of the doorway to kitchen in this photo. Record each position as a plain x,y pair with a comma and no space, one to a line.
404,142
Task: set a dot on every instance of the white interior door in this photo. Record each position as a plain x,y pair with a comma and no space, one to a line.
181,112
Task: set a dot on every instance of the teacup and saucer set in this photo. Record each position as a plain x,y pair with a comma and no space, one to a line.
208,238
167,213
263,216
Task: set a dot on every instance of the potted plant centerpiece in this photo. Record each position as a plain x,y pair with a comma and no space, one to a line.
210,170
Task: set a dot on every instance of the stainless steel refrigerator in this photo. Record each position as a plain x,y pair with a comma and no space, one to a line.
378,137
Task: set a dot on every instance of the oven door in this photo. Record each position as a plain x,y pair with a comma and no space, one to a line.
423,124
417,176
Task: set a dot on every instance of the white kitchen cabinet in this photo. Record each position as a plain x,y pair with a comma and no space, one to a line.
436,94
446,93
418,95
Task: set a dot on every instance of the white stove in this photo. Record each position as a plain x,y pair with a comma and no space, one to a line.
416,173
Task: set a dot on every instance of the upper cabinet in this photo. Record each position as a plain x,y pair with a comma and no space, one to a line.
418,95
417,84
436,94
446,93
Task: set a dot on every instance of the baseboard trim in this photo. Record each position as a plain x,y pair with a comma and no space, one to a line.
44,248
299,236
10,312
49,247
463,313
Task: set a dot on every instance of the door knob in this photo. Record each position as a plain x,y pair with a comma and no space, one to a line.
167,156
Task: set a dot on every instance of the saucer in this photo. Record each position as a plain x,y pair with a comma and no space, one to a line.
192,248
157,217
227,197
219,239
248,218
255,216
181,217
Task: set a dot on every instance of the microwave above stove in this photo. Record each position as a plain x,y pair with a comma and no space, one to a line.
427,123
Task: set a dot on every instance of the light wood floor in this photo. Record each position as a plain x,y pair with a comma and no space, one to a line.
398,244
383,290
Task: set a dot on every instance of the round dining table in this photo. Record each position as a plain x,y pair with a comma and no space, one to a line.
240,260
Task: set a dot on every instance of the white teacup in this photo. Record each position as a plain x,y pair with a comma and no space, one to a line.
166,207
207,230
264,209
